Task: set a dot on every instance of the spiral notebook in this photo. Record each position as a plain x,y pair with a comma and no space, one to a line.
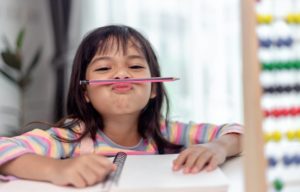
139,173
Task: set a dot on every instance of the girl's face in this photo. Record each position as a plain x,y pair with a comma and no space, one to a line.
123,98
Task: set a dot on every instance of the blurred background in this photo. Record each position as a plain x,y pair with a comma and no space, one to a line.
197,41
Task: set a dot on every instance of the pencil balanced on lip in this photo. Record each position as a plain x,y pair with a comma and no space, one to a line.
133,80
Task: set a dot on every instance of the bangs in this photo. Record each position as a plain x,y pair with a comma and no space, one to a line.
118,43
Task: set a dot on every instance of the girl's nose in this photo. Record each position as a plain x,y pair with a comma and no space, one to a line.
122,74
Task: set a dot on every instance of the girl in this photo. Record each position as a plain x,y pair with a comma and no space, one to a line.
114,117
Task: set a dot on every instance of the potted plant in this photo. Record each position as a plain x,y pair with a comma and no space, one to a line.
14,68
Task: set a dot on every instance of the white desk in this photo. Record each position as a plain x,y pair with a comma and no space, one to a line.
233,169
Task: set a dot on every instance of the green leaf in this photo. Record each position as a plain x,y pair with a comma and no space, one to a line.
34,62
8,76
20,39
12,60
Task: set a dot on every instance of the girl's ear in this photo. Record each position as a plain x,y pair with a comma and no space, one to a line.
87,99
153,91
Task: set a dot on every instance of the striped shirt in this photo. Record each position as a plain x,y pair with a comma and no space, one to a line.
42,142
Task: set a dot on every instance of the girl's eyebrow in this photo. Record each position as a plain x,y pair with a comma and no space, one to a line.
99,58
135,57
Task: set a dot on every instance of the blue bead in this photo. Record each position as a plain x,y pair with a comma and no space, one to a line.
265,43
288,41
287,160
279,42
297,159
272,161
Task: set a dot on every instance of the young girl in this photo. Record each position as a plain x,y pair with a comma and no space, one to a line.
114,117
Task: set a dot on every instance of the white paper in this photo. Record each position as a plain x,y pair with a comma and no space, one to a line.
141,173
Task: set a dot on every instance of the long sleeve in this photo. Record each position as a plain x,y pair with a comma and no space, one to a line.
192,133
38,142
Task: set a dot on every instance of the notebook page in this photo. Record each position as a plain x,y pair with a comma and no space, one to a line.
154,173
141,173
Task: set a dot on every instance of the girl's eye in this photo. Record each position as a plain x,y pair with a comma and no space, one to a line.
137,67
102,69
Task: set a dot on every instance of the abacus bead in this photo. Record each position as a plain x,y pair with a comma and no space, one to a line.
272,161
297,134
278,184
261,19
297,88
297,18
287,160
276,136
288,41
288,88
279,42
297,159
291,135
268,137
268,18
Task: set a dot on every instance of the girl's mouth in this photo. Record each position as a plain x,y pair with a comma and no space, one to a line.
122,87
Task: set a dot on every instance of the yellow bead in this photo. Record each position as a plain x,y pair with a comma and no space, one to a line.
267,137
298,134
268,18
276,136
297,18
291,135
260,19
290,18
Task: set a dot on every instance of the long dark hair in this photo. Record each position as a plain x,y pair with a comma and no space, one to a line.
99,41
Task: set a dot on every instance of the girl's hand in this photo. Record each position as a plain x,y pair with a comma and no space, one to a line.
80,171
200,157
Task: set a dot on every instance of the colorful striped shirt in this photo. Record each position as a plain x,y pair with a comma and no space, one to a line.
43,142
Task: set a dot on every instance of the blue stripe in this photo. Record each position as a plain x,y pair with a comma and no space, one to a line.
40,144
204,134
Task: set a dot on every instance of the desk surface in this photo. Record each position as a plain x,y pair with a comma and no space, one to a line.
233,169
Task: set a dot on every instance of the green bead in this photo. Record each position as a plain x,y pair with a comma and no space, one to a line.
289,65
278,184
297,64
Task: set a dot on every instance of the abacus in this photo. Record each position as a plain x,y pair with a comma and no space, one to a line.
271,58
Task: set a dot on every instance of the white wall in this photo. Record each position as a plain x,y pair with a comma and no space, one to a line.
35,16
196,40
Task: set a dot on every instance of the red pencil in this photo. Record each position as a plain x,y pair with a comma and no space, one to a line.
133,80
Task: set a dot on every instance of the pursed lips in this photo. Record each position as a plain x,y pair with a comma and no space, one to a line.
122,87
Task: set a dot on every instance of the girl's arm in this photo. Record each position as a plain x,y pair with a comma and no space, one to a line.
209,155
207,145
79,172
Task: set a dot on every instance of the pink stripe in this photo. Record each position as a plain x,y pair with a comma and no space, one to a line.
214,134
163,127
7,145
198,134
57,131
178,133
13,156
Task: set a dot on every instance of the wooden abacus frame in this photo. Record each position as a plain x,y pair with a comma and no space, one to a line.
254,160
